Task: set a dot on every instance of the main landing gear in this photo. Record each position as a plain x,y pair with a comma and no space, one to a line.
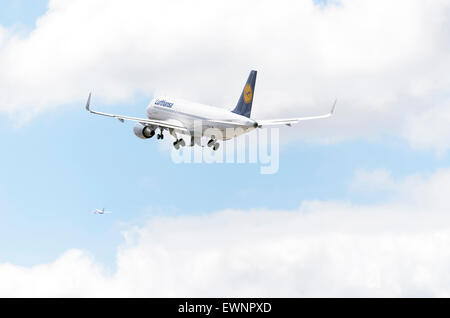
214,144
178,143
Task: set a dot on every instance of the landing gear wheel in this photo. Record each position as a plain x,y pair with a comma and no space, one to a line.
182,142
176,145
160,136
211,143
216,146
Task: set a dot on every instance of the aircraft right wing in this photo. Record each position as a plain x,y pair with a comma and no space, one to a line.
159,123
291,121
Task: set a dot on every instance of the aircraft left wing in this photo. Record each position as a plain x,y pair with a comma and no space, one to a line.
159,123
291,121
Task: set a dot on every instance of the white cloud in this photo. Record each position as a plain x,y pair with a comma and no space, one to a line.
373,181
387,62
430,130
399,248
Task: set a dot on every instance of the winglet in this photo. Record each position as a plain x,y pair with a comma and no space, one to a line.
88,104
334,107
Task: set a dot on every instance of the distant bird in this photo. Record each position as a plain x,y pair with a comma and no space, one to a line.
97,211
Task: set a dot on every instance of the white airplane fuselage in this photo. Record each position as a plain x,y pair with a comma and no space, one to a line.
194,116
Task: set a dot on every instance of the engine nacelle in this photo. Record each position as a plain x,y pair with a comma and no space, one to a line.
143,132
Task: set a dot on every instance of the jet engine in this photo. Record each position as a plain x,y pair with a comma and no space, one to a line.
143,132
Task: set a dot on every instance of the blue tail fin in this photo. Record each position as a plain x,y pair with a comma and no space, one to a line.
244,105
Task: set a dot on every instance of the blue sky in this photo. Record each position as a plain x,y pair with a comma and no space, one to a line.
63,163
21,12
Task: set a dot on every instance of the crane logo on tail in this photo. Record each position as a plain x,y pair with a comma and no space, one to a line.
248,94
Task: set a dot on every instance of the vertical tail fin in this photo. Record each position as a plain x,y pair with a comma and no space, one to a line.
244,105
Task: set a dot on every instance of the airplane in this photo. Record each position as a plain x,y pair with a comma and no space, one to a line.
180,117
97,211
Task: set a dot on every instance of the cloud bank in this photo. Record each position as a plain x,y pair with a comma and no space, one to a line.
387,62
335,249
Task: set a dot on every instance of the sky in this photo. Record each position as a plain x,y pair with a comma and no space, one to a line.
358,206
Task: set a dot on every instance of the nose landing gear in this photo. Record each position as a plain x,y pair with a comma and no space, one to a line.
160,136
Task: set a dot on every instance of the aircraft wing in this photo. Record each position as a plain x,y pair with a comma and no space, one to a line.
291,121
224,122
159,123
